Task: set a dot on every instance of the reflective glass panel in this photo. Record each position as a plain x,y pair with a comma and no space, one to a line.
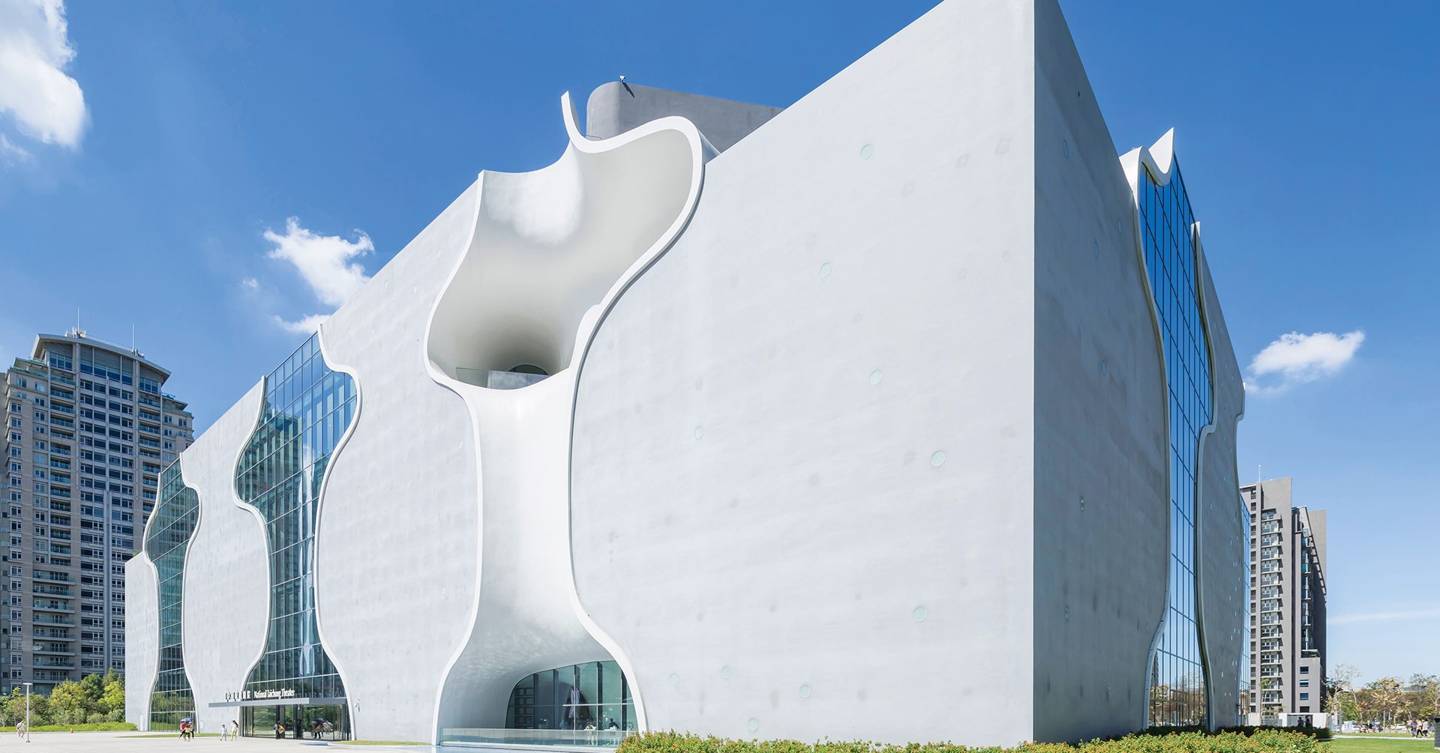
1177,671
172,524
307,408
590,696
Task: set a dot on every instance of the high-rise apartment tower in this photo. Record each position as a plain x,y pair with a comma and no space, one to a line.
87,431
1287,606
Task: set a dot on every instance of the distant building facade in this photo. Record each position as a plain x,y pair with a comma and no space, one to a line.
905,413
88,429
1287,606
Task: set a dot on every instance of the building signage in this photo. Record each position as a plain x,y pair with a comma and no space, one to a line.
258,695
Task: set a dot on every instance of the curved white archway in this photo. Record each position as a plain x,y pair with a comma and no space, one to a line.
550,252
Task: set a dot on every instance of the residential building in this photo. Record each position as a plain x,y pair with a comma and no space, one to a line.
1287,607
88,429
905,413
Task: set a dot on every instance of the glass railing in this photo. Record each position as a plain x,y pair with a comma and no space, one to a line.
591,738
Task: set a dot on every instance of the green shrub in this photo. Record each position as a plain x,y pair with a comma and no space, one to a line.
96,727
1154,741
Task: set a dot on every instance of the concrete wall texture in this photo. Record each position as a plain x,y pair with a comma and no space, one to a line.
1102,463
868,440
615,108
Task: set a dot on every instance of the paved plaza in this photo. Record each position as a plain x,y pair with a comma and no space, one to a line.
137,742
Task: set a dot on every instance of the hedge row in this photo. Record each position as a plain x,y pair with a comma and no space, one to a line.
1246,741
89,727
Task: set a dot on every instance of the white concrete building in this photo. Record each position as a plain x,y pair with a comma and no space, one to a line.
910,415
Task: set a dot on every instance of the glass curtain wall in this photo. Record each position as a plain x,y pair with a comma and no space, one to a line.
307,409
1177,671
589,696
174,521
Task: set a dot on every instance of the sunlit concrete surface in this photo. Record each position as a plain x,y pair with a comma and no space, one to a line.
89,742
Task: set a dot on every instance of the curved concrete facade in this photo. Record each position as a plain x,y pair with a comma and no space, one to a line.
550,253
142,638
855,429
227,579
1224,523
395,573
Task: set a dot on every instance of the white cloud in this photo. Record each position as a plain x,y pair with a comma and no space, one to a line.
1395,616
45,102
1294,359
250,283
10,152
303,326
324,261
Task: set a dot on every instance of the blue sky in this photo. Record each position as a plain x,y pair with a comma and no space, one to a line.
152,157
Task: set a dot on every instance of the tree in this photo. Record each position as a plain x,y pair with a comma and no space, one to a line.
112,698
1340,692
14,708
1424,696
1387,698
70,703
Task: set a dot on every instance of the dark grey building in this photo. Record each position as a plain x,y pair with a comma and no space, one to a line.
87,430
1287,606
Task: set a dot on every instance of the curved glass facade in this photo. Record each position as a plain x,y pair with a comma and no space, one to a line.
173,523
307,408
589,696
1177,671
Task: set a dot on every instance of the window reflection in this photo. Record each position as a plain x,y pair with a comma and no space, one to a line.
589,696
1177,673
171,527
307,408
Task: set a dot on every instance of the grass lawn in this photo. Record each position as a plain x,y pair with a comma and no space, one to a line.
1373,745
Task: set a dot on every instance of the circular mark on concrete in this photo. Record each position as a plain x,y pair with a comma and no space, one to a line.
825,270
753,725
726,672
919,613
867,151
805,690
937,458
674,677
876,376
699,432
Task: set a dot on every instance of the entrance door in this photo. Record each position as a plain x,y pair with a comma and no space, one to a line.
296,722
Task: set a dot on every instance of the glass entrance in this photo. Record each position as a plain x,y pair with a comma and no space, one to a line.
296,722
589,696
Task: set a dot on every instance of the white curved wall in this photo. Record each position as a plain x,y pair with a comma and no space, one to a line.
1222,587
142,638
757,519
396,532
227,576
551,249
1101,453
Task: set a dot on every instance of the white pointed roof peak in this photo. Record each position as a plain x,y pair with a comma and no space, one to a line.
1163,151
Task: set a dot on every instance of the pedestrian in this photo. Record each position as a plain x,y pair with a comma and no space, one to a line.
235,726
224,731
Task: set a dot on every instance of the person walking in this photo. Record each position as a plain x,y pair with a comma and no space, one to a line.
224,731
235,727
